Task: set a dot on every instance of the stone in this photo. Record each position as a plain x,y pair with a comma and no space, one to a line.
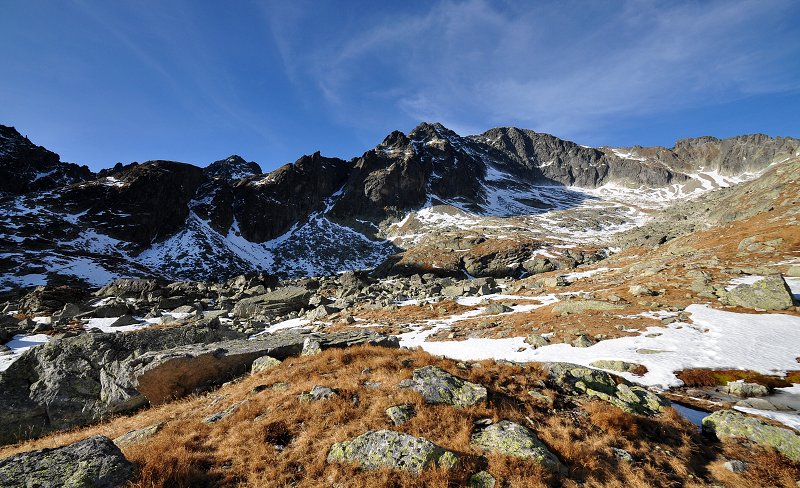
612,389
93,463
554,281
481,479
622,454
616,365
735,466
580,306
79,380
124,321
216,417
497,308
512,439
728,424
128,288
279,301
793,271
582,341
400,414
640,290
393,450
311,347
769,293
318,393
138,435
264,363
536,340
437,386
746,390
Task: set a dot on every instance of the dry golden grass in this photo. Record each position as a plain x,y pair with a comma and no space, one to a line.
273,439
704,377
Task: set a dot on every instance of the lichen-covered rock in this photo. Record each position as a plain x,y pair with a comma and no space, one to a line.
769,293
612,389
217,416
138,435
481,479
582,341
438,386
91,463
746,390
317,393
536,340
512,439
264,363
726,424
580,306
616,365
400,414
390,449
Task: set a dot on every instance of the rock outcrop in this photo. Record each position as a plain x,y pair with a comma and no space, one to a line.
614,390
91,463
512,439
768,293
390,449
79,380
26,167
438,386
727,424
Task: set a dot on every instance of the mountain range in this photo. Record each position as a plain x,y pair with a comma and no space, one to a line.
61,222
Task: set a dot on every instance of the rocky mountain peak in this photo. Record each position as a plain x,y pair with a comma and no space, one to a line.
26,167
232,168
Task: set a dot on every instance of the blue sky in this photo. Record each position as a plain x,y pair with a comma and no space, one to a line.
190,80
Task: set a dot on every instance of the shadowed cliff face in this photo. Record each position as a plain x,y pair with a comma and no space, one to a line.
167,217
25,167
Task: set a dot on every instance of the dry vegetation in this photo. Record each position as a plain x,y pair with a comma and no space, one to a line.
704,377
273,439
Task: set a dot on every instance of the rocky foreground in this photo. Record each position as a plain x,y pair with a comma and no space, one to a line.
303,382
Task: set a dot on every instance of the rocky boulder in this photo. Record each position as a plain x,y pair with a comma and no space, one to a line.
390,449
280,301
438,386
728,424
612,389
128,288
769,293
81,379
91,463
160,376
512,439
49,299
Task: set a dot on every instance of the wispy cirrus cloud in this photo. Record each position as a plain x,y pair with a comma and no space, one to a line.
562,67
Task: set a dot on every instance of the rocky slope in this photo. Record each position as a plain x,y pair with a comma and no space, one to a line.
61,223
555,379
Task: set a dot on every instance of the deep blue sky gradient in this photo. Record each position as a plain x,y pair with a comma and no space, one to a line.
193,80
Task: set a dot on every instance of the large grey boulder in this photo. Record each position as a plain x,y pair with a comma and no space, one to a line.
438,386
280,301
128,288
91,463
746,390
161,376
612,389
81,379
390,449
512,439
727,424
580,306
769,293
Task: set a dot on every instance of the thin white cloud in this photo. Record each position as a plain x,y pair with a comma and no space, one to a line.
565,67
